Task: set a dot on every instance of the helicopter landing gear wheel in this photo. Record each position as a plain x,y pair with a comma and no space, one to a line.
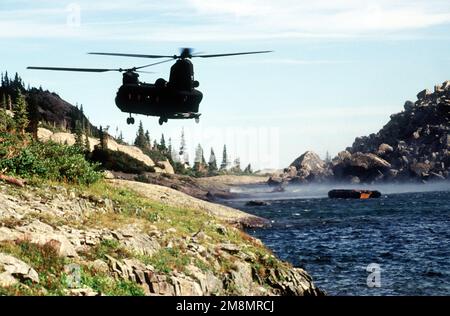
130,121
163,120
197,120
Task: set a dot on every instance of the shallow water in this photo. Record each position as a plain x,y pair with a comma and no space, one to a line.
406,234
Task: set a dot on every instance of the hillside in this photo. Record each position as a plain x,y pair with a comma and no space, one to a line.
112,240
413,146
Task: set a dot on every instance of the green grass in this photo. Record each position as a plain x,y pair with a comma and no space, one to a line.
53,280
167,260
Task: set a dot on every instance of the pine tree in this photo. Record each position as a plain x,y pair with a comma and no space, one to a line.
83,121
148,140
162,144
4,101
6,85
237,166
199,162
9,106
140,140
102,137
184,157
248,169
87,143
224,164
79,135
20,113
33,116
169,148
212,164
120,138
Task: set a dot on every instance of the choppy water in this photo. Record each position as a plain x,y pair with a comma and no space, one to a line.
406,234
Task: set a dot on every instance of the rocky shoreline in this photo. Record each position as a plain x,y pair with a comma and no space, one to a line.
127,238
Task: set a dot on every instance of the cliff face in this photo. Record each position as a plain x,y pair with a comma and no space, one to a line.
110,240
413,145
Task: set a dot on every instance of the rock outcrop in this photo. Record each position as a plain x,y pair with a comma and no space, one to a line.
413,146
415,142
306,168
132,151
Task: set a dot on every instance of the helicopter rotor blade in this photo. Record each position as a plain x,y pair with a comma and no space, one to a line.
154,64
145,72
97,70
133,55
232,54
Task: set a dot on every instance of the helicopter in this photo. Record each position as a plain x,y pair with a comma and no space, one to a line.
177,98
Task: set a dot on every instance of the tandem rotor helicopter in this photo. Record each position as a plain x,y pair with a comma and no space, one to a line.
177,98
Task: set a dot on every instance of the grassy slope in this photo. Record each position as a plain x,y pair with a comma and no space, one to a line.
131,208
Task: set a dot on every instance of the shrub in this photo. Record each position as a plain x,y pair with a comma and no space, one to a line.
28,158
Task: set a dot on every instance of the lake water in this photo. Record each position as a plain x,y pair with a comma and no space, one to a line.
405,236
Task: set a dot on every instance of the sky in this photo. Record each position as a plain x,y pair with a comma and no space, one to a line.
339,68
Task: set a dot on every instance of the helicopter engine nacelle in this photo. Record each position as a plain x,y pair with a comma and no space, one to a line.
196,84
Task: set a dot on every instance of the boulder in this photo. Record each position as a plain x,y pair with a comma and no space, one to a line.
423,94
420,169
385,149
275,180
165,167
366,167
17,269
446,85
310,167
409,106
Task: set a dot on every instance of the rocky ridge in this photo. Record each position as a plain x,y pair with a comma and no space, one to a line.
413,146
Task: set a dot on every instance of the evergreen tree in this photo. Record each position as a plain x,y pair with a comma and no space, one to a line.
20,113
17,83
237,166
162,144
120,138
169,148
155,145
82,118
33,116
140,140
248,169
224,164
102,137
4,101
6,80
212,164
199,162
87,143
9,106
148,140
184,157
79,135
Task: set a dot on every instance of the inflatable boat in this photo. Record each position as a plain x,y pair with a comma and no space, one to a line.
353,194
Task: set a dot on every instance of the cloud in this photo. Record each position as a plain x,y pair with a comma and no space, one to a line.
222,20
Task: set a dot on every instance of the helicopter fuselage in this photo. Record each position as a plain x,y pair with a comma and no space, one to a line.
165,102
